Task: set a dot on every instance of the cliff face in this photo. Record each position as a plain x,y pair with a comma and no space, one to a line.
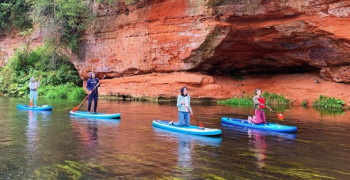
11,41
219,36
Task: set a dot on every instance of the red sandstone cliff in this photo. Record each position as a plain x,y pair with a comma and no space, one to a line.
219,37
9,42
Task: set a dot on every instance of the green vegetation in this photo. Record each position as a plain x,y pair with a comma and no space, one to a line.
272,99
324,102
131,2
15,13
70,170
62,20
108,1
128,2
247,100
304,103
58,74
275,99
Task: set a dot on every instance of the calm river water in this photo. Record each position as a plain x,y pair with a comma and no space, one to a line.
53,145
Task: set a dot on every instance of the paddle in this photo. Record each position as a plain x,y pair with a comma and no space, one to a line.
280,116
32,98
199,123
77,107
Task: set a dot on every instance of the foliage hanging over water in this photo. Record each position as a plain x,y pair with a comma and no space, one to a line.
58,74
325,102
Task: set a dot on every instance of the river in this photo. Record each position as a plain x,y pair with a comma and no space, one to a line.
53,145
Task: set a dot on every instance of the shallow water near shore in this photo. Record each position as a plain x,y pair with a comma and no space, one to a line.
54,145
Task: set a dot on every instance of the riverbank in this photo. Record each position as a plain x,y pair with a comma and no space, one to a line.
298,88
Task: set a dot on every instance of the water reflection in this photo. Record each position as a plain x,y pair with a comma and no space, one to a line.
33,144
330,112
186,144
258,141
259,146
88,129
33,133
33,128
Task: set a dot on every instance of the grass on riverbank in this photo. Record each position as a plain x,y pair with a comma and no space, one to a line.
324,102
272,99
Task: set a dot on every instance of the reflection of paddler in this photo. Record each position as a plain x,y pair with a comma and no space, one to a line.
92,131
32,131
88,134
260,147
185,154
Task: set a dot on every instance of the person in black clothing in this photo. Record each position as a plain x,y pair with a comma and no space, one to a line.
91,84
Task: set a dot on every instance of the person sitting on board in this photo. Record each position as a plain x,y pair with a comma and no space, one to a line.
92,86
184,108
259,106
33,86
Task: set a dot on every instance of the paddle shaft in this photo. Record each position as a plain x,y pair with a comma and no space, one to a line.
77,107
199,123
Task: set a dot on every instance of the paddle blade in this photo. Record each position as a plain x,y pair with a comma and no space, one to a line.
200,125
30,103
280,116
75,108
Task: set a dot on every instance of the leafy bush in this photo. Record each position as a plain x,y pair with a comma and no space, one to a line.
275,99
304,103
62,92
62,20
15,13
58,75
325,102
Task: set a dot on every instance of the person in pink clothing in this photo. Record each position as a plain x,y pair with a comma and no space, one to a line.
259,106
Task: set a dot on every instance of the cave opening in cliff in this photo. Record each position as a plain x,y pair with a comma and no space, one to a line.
261,50
231,68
